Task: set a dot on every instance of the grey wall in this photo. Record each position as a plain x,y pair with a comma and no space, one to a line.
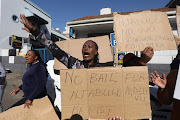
160,68
19,65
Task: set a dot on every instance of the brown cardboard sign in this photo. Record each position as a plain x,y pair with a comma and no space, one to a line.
178,19
138,30
100,93
41,109
74,48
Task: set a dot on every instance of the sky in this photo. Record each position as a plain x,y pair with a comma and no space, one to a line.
63,11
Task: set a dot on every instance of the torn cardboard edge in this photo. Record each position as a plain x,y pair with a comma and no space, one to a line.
41,109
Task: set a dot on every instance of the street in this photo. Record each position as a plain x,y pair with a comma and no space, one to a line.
14,80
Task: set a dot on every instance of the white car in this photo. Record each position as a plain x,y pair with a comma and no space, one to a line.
53,85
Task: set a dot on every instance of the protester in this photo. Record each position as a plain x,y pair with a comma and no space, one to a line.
89,50
167,86
34,79
2,84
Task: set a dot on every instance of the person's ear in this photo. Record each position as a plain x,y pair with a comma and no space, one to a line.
96,52
36,58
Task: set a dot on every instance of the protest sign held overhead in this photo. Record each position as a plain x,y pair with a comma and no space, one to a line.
74,48
99,93
138,30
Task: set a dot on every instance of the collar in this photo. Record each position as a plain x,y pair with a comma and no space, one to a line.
93,65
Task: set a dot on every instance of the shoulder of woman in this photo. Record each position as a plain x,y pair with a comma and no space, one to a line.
175,71
172,74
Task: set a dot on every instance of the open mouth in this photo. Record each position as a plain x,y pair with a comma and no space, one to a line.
86,54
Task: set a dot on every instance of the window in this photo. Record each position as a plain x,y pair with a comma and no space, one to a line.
15,18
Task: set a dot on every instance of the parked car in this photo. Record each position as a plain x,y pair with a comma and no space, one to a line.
53,85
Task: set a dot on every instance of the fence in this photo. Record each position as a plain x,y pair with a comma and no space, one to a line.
45,55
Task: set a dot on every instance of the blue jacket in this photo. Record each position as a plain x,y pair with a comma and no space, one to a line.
34,81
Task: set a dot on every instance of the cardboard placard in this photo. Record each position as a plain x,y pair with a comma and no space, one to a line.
138,30
100,93
178,19
74,48
41,109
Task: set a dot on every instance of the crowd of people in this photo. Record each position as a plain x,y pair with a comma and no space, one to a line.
34,79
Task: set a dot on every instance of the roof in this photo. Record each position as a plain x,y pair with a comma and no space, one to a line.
173,3
37,7
165,9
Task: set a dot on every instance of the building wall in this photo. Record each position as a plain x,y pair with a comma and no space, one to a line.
18,66
8,27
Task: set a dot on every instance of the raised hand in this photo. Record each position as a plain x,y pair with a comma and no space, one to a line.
146,55
158,81
27,25
15,91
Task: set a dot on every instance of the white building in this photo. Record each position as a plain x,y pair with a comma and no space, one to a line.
10,25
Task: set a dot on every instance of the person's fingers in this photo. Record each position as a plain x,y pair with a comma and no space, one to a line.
25,105
153,76
28,106
164,76
157,75
109,118
26,29
149,51
145,50
20,16
25,19
13,93
118,118
22,19
149,48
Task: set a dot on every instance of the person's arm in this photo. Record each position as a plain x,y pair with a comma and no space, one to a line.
38,82
146,55
61,55
132,60
166,86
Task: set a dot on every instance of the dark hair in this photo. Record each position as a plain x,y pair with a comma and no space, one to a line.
36,53
96,57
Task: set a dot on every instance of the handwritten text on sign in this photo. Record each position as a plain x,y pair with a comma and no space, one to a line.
101,93
136,31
